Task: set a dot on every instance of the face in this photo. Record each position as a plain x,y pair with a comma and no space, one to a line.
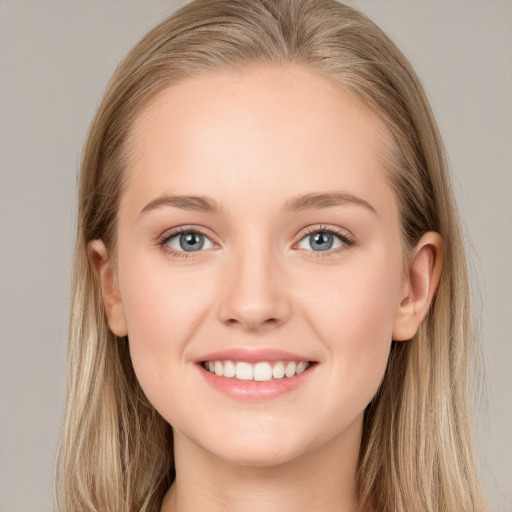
258,236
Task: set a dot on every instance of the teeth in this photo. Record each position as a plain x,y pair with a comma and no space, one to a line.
244,371
229,369
261,371
290,369
301,367
278,370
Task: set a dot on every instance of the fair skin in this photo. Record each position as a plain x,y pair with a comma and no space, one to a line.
323,281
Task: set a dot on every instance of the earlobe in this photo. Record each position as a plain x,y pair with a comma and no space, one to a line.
104,271
419,286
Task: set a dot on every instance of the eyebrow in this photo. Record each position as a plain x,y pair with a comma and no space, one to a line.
324,200
299,203
193,203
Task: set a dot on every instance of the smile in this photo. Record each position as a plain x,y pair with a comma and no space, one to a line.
260,371
256,375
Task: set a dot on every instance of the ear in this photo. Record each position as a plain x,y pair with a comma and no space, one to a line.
104,271
419,286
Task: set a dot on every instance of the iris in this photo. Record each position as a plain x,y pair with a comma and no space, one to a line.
321,241
191,242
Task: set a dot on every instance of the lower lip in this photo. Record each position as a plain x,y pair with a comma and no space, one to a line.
253,390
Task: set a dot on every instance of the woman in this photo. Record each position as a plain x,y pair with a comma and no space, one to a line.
270,305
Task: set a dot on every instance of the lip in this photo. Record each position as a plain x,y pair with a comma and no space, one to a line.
253,355
255,391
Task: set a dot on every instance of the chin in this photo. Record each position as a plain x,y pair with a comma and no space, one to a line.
258,448
257,456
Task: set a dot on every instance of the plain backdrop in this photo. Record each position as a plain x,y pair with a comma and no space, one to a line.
56,57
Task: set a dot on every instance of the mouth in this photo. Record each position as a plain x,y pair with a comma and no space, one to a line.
256,375
261,371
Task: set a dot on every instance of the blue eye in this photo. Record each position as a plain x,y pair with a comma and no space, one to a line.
322,240
187,241
184,241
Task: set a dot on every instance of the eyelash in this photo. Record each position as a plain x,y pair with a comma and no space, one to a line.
347,240
175,232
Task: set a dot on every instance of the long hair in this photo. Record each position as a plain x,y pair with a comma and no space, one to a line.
417,451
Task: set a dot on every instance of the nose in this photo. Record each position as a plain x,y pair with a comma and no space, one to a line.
254,296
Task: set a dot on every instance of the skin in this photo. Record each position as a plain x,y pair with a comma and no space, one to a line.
251,141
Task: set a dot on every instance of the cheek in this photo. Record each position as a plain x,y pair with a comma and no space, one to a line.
356,302
354,318
162,310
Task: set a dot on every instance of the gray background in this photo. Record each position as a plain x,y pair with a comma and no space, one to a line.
55,59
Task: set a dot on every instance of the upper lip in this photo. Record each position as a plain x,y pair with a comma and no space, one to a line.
252,355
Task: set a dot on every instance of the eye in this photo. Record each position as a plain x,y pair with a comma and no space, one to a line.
186,240
323,239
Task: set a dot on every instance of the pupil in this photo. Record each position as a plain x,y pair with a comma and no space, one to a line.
193,242
322,241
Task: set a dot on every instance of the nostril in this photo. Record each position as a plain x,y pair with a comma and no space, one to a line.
254,323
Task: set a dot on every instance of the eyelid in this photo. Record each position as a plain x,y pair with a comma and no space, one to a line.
326,228
189,228
168,234
345,237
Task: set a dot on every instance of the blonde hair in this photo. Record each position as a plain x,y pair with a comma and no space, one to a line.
417,451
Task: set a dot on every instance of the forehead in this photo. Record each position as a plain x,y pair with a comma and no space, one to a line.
266,127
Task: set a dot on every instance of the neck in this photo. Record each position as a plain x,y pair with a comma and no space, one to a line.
320,479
